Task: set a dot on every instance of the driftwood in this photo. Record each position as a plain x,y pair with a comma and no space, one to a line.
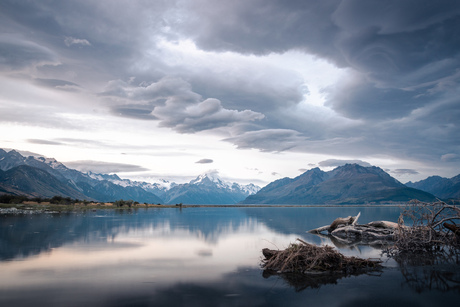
455,229
338,222
431,236
347,231
428,252
433,231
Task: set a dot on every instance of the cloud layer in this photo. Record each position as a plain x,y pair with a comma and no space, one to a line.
250,72
103,167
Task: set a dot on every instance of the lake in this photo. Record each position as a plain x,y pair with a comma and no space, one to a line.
204,256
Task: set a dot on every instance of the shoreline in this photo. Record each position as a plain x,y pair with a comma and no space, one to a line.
59,208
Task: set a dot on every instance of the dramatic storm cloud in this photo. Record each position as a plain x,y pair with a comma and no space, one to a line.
271,85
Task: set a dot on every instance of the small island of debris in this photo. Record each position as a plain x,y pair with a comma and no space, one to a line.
307,258
432,235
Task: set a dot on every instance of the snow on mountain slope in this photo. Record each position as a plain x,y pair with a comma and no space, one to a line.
209,182
158,188
213,178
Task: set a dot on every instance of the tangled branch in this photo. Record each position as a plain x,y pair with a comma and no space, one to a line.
427,228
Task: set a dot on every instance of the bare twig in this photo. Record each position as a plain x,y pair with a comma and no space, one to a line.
427,233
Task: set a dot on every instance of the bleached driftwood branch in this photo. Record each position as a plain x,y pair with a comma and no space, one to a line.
338,222
347,229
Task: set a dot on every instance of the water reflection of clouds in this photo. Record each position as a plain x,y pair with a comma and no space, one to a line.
356,250
196,257
160,252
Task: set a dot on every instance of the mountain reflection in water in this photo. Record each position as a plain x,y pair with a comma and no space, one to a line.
196,256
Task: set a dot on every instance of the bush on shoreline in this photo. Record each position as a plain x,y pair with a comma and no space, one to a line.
61,203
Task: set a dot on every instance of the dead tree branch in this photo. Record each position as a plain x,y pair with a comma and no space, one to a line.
428,232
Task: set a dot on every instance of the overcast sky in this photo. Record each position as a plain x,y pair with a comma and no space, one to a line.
256,90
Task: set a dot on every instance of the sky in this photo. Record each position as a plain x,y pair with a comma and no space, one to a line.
254,90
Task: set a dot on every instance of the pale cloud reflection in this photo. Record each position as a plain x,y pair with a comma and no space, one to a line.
157,253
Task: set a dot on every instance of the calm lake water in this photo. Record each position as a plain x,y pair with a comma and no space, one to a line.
195,257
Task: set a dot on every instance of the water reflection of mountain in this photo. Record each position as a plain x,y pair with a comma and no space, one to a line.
288,220
144,278
27,235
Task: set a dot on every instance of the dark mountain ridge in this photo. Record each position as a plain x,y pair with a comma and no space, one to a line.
41,177
34,182
348,184
445,188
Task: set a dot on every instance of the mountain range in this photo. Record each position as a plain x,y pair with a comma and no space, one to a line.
209,189
444,188
348,184
37,176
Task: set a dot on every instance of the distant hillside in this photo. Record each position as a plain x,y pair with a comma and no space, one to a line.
34,182
42,177
441,187
348,184
37,176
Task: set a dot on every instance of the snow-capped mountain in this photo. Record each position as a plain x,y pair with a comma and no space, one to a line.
72,183
249,188
159,188
212,178
209,188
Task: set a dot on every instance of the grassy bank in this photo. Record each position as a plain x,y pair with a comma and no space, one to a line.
48,207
